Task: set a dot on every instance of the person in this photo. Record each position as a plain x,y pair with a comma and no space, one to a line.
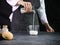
28,8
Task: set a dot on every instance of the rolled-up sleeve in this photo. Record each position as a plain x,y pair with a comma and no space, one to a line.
12,2
42,13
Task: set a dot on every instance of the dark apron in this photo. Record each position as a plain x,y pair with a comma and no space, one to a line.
5,11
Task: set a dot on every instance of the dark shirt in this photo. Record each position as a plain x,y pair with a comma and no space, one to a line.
5,11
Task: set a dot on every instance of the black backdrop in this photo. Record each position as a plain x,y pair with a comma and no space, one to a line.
53,13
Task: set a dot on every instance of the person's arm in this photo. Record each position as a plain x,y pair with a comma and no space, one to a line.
12,2
42,13
43,17
15,3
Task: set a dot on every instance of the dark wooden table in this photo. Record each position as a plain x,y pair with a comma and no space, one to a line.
43,38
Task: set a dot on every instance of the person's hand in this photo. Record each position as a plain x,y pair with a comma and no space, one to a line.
27,5
49,28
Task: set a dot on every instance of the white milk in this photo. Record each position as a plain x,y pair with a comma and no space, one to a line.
33,32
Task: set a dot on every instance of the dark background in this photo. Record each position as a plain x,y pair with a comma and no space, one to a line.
53,13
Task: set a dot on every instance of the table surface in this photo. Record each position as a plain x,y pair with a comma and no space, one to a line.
43,38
